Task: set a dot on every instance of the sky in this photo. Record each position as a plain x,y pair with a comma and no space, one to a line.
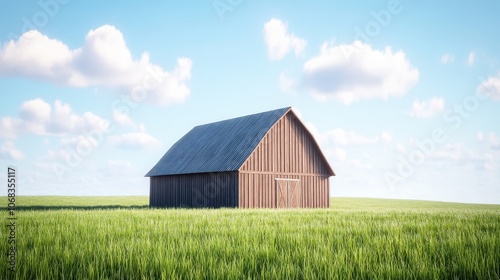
403,97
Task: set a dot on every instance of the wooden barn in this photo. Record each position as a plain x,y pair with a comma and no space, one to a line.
267,160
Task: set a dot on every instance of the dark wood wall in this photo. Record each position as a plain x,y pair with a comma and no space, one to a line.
287,151
211,190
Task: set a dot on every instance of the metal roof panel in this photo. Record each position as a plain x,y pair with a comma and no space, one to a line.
217,147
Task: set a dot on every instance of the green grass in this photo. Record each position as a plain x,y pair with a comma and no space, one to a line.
121,238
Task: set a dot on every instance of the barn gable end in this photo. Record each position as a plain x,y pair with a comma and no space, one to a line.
288,152
288,147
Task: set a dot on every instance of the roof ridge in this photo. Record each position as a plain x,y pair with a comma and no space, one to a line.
244,116
218,146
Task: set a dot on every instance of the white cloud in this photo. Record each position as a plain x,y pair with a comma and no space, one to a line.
53,155
8,151
386,137
287,84
35,109
400,148
364,74
342,137
80,142
119,167
448,153
122,118
480,136
279,42
471,58
338,154
356,164
118,163
457,154
334,142
103,60
491,87
142,128
135,140
447,58
8,128
494,141
427,108
38,117
484,161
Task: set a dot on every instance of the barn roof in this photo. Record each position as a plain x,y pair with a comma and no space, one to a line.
217,147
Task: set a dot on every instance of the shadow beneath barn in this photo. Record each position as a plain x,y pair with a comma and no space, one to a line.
79,207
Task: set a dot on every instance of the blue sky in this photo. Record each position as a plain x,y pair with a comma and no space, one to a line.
402,96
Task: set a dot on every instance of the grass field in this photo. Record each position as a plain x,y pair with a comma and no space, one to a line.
121,238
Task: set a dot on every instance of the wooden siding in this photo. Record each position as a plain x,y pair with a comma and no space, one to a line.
287,151
212,190
287,148
260,190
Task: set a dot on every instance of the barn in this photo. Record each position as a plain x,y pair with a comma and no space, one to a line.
264,160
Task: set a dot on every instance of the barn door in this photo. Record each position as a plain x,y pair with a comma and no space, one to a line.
293,194
282,193
287,193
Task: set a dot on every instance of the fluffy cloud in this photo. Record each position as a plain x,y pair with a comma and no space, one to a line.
491,87
279,42
350,73
357,164
80,142
134,140
118,163
38,117
119,167
447,153
8,151
103,60
447,58
494,141
334,143
342,137
123,119
386,137
480,136
457,154
338,154
427,108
